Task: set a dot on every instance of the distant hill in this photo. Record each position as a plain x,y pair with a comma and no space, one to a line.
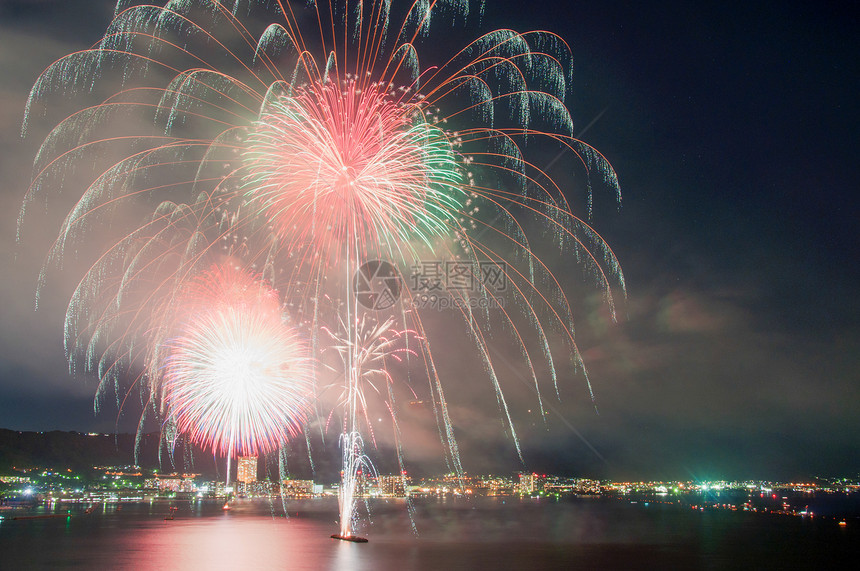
80,452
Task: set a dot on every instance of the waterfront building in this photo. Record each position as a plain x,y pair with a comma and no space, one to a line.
392,485
298,488
246,471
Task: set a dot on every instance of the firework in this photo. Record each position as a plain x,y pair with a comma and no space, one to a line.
234,377
355,167
301,149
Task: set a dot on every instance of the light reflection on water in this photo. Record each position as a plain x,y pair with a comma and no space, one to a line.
453,535
253,535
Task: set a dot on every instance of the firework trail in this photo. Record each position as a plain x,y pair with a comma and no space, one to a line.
366,349
302,143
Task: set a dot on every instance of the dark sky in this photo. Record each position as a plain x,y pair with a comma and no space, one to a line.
733,129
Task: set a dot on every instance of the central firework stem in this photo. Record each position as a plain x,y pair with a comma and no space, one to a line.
350,439
229,460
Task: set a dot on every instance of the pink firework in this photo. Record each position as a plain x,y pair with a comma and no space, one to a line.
351,165
235,377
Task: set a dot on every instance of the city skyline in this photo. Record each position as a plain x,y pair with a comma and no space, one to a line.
116,450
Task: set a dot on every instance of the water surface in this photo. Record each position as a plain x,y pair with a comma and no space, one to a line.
485,534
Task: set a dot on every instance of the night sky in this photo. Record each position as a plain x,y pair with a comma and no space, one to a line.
733,128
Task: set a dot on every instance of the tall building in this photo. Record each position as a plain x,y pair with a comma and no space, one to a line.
362,489
528,483
392,486
246,470
175,482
